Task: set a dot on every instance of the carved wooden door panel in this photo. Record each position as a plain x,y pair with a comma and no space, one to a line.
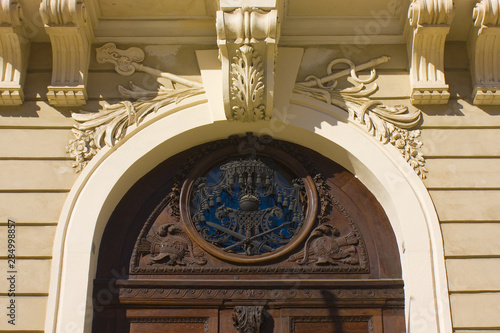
173,321
248,234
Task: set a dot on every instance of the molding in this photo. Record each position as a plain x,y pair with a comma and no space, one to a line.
247,38
388,124
428,25
93,130
332,319
14,50
69,25
484,53
131,294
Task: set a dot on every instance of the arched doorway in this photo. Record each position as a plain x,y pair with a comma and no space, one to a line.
244,234
173,129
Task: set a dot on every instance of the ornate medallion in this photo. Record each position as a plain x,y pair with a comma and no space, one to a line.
249,209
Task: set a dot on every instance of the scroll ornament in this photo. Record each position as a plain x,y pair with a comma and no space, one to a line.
94,131
388,124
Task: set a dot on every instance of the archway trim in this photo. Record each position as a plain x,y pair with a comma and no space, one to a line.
380,167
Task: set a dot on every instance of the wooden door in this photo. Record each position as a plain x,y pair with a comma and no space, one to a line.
248,234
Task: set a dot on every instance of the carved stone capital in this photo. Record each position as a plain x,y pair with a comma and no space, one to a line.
69,26
13,52
428,25
247,39
484,53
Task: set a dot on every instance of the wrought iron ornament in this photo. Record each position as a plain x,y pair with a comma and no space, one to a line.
248,207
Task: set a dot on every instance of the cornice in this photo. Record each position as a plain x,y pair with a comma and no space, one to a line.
69,26
14,49
484,53
428,25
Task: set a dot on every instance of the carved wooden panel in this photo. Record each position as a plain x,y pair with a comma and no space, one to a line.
173,321
204,228
334,321
315,241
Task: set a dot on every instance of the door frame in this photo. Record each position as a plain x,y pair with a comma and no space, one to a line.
314,125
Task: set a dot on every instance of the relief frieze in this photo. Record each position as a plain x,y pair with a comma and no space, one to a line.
244,217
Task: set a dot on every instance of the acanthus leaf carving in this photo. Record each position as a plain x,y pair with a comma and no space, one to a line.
388,124
95,130
247,87
247,38
14,49
248,319
484,53
428,25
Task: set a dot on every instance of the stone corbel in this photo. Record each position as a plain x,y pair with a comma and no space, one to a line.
428,25
69,26
484,53
247,36
14,48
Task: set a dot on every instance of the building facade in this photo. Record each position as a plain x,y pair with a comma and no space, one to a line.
375,121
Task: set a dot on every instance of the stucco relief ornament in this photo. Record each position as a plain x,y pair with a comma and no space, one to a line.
247,37
388,124
95,130
247,89
82,148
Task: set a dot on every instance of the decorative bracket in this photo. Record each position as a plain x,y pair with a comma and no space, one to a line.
428,25
68,23
247,37
484,53
248,319
14,49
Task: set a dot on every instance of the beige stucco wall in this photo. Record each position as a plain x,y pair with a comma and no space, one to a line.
460,144
463,159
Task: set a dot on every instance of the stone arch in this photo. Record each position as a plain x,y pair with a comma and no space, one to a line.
322,128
